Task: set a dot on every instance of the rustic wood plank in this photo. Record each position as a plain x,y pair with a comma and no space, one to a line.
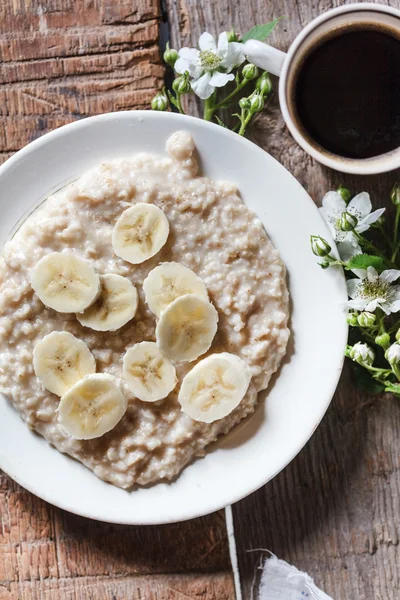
66,59
38,541
215,586
62,60
334,511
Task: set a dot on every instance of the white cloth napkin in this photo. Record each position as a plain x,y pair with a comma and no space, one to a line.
281,581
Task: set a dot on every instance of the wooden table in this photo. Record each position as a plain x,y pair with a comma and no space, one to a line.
335,510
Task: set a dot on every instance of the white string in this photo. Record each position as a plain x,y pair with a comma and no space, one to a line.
233,551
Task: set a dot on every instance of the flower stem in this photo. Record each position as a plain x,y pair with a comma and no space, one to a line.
395,232
179,104
245,122
381,321
209,108
229,97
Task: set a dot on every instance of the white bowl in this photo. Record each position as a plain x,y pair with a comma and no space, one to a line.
298,397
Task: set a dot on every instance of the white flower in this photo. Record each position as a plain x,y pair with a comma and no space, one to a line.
205,65
371,291
333,207
362,353
393,354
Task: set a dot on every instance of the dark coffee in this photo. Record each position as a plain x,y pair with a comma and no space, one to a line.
347,93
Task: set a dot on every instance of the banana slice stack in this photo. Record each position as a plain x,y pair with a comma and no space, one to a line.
186,326
116,305
92,403
187,320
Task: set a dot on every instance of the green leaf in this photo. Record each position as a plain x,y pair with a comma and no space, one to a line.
393,388
365,382
261,32
363,261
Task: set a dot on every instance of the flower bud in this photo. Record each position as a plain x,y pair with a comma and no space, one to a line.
244,103
160,101
352,319
181,85
250,71
362,354
392,354
256,102
383,340
319,246
232,36
324,264
366,319
170,56
398,335
395,195
264,84
345,193
348,222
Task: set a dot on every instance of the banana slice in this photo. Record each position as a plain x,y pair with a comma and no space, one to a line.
186,328
116,305
93,406
169,281
148,373
65,282
60,360
214,387
140,232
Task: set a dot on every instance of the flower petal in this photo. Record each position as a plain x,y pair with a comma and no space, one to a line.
361,273
394,306
385,307
220,79
333,202
190,54
352,287
202,87
360,206
348,249
223,45
357,304
364,224
390,275
234,57
331,227
182,65
372,305
372,274
207,42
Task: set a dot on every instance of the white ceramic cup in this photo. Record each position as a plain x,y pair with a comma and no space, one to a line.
287,66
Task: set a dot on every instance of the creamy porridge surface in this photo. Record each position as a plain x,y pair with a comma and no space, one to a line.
213,233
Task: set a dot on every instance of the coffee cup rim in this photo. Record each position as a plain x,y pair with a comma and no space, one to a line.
364,166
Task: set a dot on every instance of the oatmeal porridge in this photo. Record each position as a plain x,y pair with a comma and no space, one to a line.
75,280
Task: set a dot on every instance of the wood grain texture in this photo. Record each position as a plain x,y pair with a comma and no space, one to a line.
335,510
61,60
169,587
